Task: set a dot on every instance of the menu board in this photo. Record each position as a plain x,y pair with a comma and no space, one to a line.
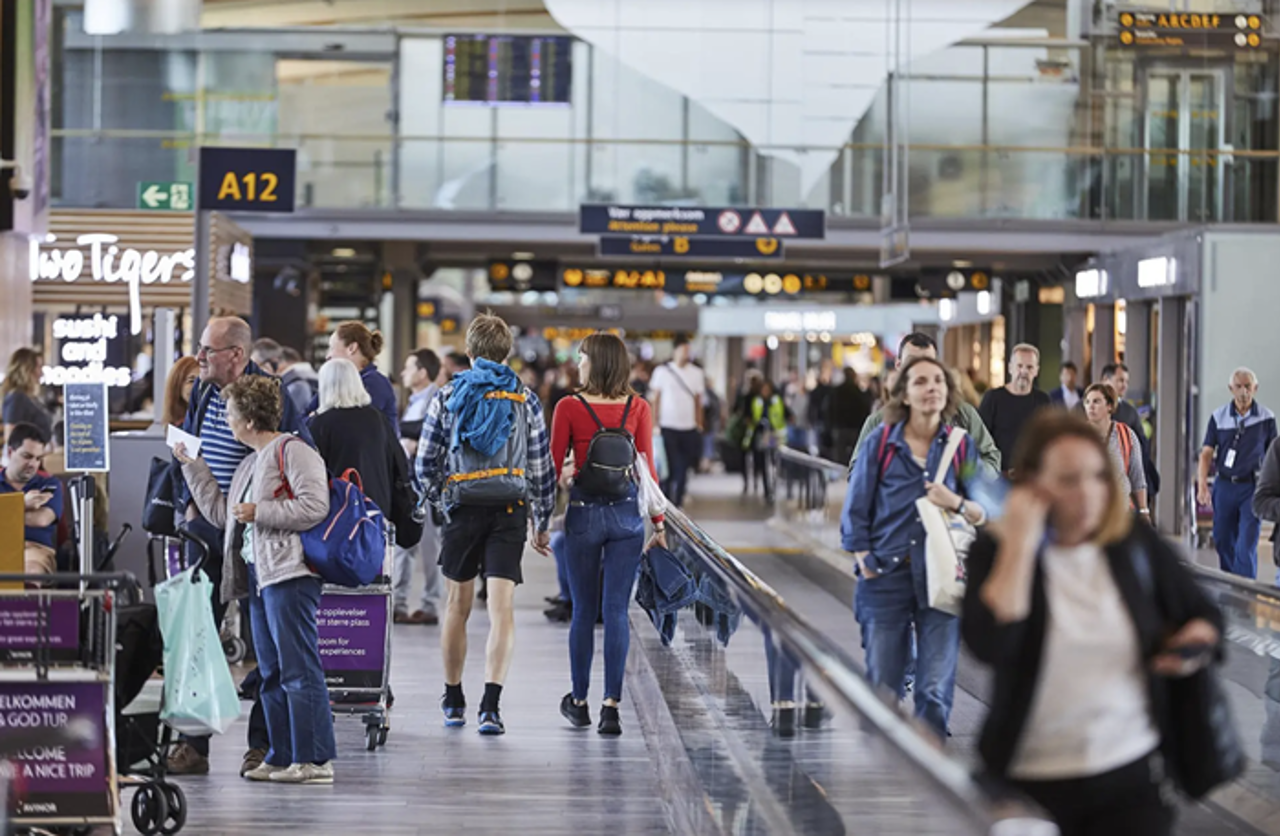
507,69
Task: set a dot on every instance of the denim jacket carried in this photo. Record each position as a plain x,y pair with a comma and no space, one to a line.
880,507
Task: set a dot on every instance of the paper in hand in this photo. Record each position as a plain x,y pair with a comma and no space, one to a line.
175,436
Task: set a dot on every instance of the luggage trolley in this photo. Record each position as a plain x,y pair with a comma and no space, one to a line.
355,649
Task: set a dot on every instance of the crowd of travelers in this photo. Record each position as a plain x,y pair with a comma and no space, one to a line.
1085,615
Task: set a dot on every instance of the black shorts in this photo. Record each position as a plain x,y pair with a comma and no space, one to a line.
483,538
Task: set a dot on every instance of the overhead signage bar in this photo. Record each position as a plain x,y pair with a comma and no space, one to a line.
715,282
684,246
745,222
522,276
1180,29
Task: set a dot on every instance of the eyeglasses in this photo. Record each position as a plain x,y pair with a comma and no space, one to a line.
205,350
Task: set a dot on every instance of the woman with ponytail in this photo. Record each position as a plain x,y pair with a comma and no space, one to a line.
354,341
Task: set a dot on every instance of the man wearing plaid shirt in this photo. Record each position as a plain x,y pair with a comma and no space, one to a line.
478,408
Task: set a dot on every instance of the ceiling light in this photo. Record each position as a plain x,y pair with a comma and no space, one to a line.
343,252
961,263
522,256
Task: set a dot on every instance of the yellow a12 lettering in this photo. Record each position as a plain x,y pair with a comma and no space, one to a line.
257,187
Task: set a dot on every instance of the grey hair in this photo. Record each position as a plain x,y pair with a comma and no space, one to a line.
1027,347
1243,371
341,386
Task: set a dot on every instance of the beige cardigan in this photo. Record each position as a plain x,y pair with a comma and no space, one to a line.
277,549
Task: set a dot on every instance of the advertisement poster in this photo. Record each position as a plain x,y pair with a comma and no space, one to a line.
353,637
54,780
23,620
85,427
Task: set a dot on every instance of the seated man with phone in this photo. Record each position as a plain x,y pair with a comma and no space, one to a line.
27,445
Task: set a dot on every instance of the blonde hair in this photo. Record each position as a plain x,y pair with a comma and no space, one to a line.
23,374
1047,428
341,386
489,337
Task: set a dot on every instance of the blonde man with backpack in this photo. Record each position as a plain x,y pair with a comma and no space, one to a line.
606,425
484,460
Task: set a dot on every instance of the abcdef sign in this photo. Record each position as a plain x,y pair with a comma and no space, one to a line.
247,179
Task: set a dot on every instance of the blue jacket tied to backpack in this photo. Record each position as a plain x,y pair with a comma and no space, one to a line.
483,423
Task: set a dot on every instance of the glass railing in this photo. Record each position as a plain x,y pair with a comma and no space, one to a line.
809,499
782,731
549,174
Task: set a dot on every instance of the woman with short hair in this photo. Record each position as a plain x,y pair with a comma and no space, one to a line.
1084,618
353,435
897,466
265,563
21,390
604,533
1100,404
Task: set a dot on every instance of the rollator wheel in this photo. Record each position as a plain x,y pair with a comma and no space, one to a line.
371,738
177,802
150,809
235,650
382,736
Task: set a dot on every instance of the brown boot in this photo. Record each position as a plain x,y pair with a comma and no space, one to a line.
424,617
185,760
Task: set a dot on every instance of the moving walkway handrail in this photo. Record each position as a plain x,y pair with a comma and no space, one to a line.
835,676
814,462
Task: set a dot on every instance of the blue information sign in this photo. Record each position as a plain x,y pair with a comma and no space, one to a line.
247,179
85,427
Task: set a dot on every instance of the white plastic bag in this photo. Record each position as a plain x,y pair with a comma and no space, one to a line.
199,694
652,500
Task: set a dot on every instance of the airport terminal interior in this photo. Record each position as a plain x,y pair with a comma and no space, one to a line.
859,270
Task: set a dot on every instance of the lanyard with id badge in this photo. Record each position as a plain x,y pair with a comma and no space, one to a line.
1229,461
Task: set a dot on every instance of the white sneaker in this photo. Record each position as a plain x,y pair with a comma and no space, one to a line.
304,773
264,771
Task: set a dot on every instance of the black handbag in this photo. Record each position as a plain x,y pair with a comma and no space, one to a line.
404,501
1206,751
158,513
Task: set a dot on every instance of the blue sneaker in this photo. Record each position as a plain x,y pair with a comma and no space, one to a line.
491,723
454,715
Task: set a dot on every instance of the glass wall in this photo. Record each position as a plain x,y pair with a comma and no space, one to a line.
1015,125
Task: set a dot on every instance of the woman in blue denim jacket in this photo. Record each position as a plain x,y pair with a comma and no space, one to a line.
881,527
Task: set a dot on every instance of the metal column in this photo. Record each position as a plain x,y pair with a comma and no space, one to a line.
1175,366
1104,337
1137,350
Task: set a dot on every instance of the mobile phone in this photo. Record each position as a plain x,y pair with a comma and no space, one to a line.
1192,651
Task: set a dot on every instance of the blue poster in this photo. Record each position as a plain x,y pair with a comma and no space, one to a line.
85,427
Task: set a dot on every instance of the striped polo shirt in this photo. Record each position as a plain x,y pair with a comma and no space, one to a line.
218,446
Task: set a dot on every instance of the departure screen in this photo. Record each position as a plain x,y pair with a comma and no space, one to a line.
507,70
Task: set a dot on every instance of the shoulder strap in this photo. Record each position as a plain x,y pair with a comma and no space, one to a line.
626,410
955,436
285,487
202,405
883,456
592,412
674,372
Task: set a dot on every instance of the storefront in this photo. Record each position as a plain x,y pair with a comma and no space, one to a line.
98,277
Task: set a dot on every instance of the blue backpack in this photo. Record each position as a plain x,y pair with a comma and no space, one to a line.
348,547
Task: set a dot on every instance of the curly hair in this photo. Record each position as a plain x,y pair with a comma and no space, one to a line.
257,399
896,409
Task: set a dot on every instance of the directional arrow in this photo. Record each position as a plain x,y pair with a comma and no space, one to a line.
154,196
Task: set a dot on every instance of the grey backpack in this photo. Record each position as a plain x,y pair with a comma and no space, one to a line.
477,479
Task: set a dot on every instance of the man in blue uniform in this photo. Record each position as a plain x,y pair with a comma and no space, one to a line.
1235,443
41,492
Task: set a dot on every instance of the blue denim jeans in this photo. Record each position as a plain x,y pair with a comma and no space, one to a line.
603,542
888,611
1235,528
294,696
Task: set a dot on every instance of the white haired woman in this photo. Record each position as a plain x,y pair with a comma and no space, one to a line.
350,433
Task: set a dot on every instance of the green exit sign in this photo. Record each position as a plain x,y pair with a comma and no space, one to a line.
165,197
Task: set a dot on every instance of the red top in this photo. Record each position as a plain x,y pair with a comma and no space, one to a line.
572,426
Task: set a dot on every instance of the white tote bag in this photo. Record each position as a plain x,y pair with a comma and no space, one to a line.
947,538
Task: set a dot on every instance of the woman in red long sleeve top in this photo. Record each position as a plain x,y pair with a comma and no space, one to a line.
604,536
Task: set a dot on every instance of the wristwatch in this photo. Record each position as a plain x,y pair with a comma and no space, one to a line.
960,507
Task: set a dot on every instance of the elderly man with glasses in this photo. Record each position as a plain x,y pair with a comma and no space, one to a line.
224,357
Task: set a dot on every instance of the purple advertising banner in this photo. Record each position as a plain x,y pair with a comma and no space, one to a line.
56,780
20,627
353,639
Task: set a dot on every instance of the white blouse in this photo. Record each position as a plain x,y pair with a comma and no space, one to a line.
1090,712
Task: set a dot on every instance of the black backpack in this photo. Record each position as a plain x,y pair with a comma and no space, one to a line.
609,470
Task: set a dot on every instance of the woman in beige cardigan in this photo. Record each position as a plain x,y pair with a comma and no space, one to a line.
264,562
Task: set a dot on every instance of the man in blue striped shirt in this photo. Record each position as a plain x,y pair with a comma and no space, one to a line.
223,355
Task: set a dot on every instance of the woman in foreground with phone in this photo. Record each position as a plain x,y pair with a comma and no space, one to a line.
1085,618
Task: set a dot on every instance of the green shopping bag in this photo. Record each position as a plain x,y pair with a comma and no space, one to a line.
199,695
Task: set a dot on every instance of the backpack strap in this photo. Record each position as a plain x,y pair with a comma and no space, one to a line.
885,456
592,412
285,487
1126,442
626,410
353,476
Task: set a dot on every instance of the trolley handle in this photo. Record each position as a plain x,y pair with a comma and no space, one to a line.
202,546
113,580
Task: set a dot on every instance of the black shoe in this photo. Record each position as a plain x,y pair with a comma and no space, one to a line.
491,723
578,715
609,722
562,613
815,714
554,599
784,722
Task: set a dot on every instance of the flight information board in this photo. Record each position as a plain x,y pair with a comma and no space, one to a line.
507,69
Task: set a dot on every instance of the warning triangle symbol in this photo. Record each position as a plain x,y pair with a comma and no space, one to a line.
784,226
756,226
